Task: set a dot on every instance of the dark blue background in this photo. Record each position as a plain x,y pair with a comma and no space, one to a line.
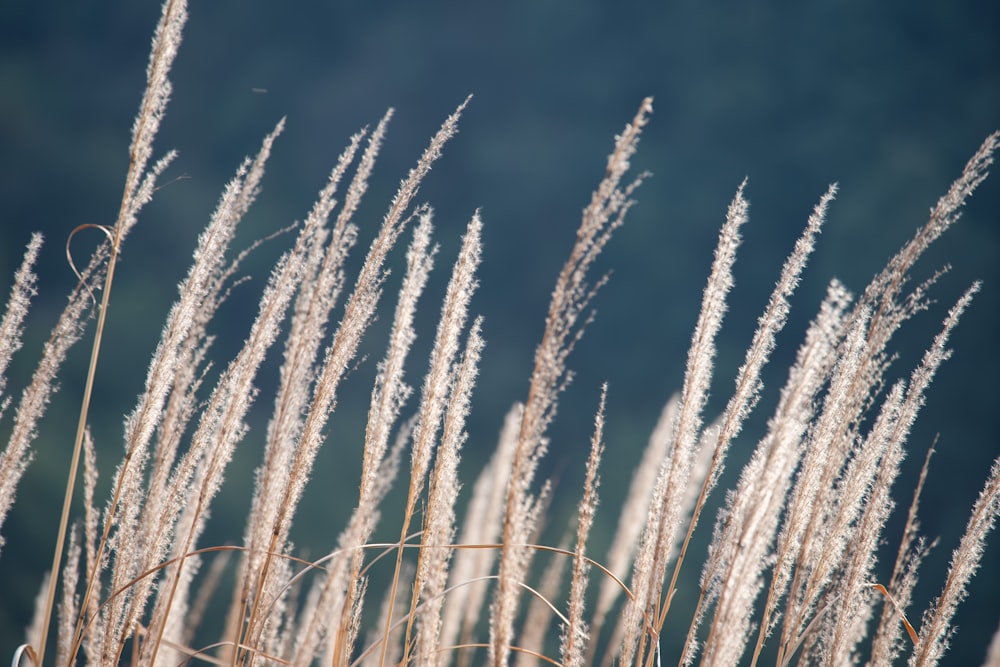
888,99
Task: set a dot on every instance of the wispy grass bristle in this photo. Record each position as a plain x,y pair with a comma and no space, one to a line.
793,571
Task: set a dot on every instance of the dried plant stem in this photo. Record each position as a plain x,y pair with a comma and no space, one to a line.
566,320
81,428
129,206
810,507
139,187
438,384
665,515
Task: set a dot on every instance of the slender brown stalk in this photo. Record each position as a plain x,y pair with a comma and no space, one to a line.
439,384
358,314
564,325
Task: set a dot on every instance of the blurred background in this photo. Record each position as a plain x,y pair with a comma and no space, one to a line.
889,100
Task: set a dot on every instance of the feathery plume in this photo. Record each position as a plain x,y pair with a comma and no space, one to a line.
563,328
482,525
810,506
321,283
575,635
439,523
14,458
936,630
747,526
18,303
358,314
665,513
633,513
887,644
442,383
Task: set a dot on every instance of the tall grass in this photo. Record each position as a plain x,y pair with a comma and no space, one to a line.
789,576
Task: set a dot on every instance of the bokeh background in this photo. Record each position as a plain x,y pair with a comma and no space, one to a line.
887,99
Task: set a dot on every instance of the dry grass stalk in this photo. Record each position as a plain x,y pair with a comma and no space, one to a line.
935,629
563,327
804,522
887,643
575,634
663,523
